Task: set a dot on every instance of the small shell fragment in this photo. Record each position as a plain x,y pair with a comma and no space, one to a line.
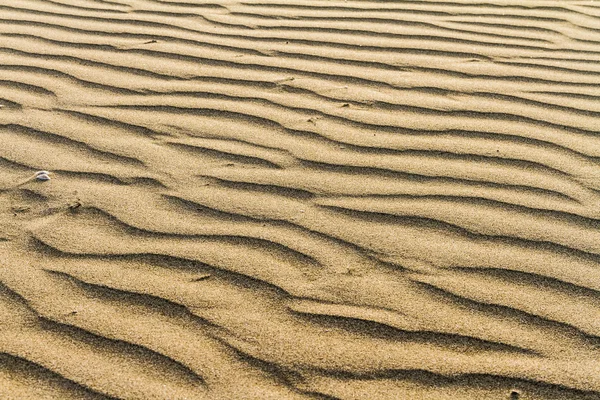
42,176
41,173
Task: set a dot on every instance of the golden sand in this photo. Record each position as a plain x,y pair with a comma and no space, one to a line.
275,199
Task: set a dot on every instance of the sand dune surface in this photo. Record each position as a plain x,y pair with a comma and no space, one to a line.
269,199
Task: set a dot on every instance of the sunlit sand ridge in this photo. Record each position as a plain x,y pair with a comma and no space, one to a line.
278,199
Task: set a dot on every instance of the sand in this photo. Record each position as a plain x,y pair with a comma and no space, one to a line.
276,199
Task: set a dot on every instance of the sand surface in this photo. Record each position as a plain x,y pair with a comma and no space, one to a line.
275,199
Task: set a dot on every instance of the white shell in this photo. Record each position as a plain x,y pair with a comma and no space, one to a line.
41,173
42,177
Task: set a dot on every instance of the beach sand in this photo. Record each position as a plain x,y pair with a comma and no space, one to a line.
275,199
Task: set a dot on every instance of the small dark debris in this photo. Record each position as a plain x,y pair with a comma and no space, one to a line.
515,395
200,278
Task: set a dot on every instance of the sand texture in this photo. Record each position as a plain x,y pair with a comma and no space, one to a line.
303,199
